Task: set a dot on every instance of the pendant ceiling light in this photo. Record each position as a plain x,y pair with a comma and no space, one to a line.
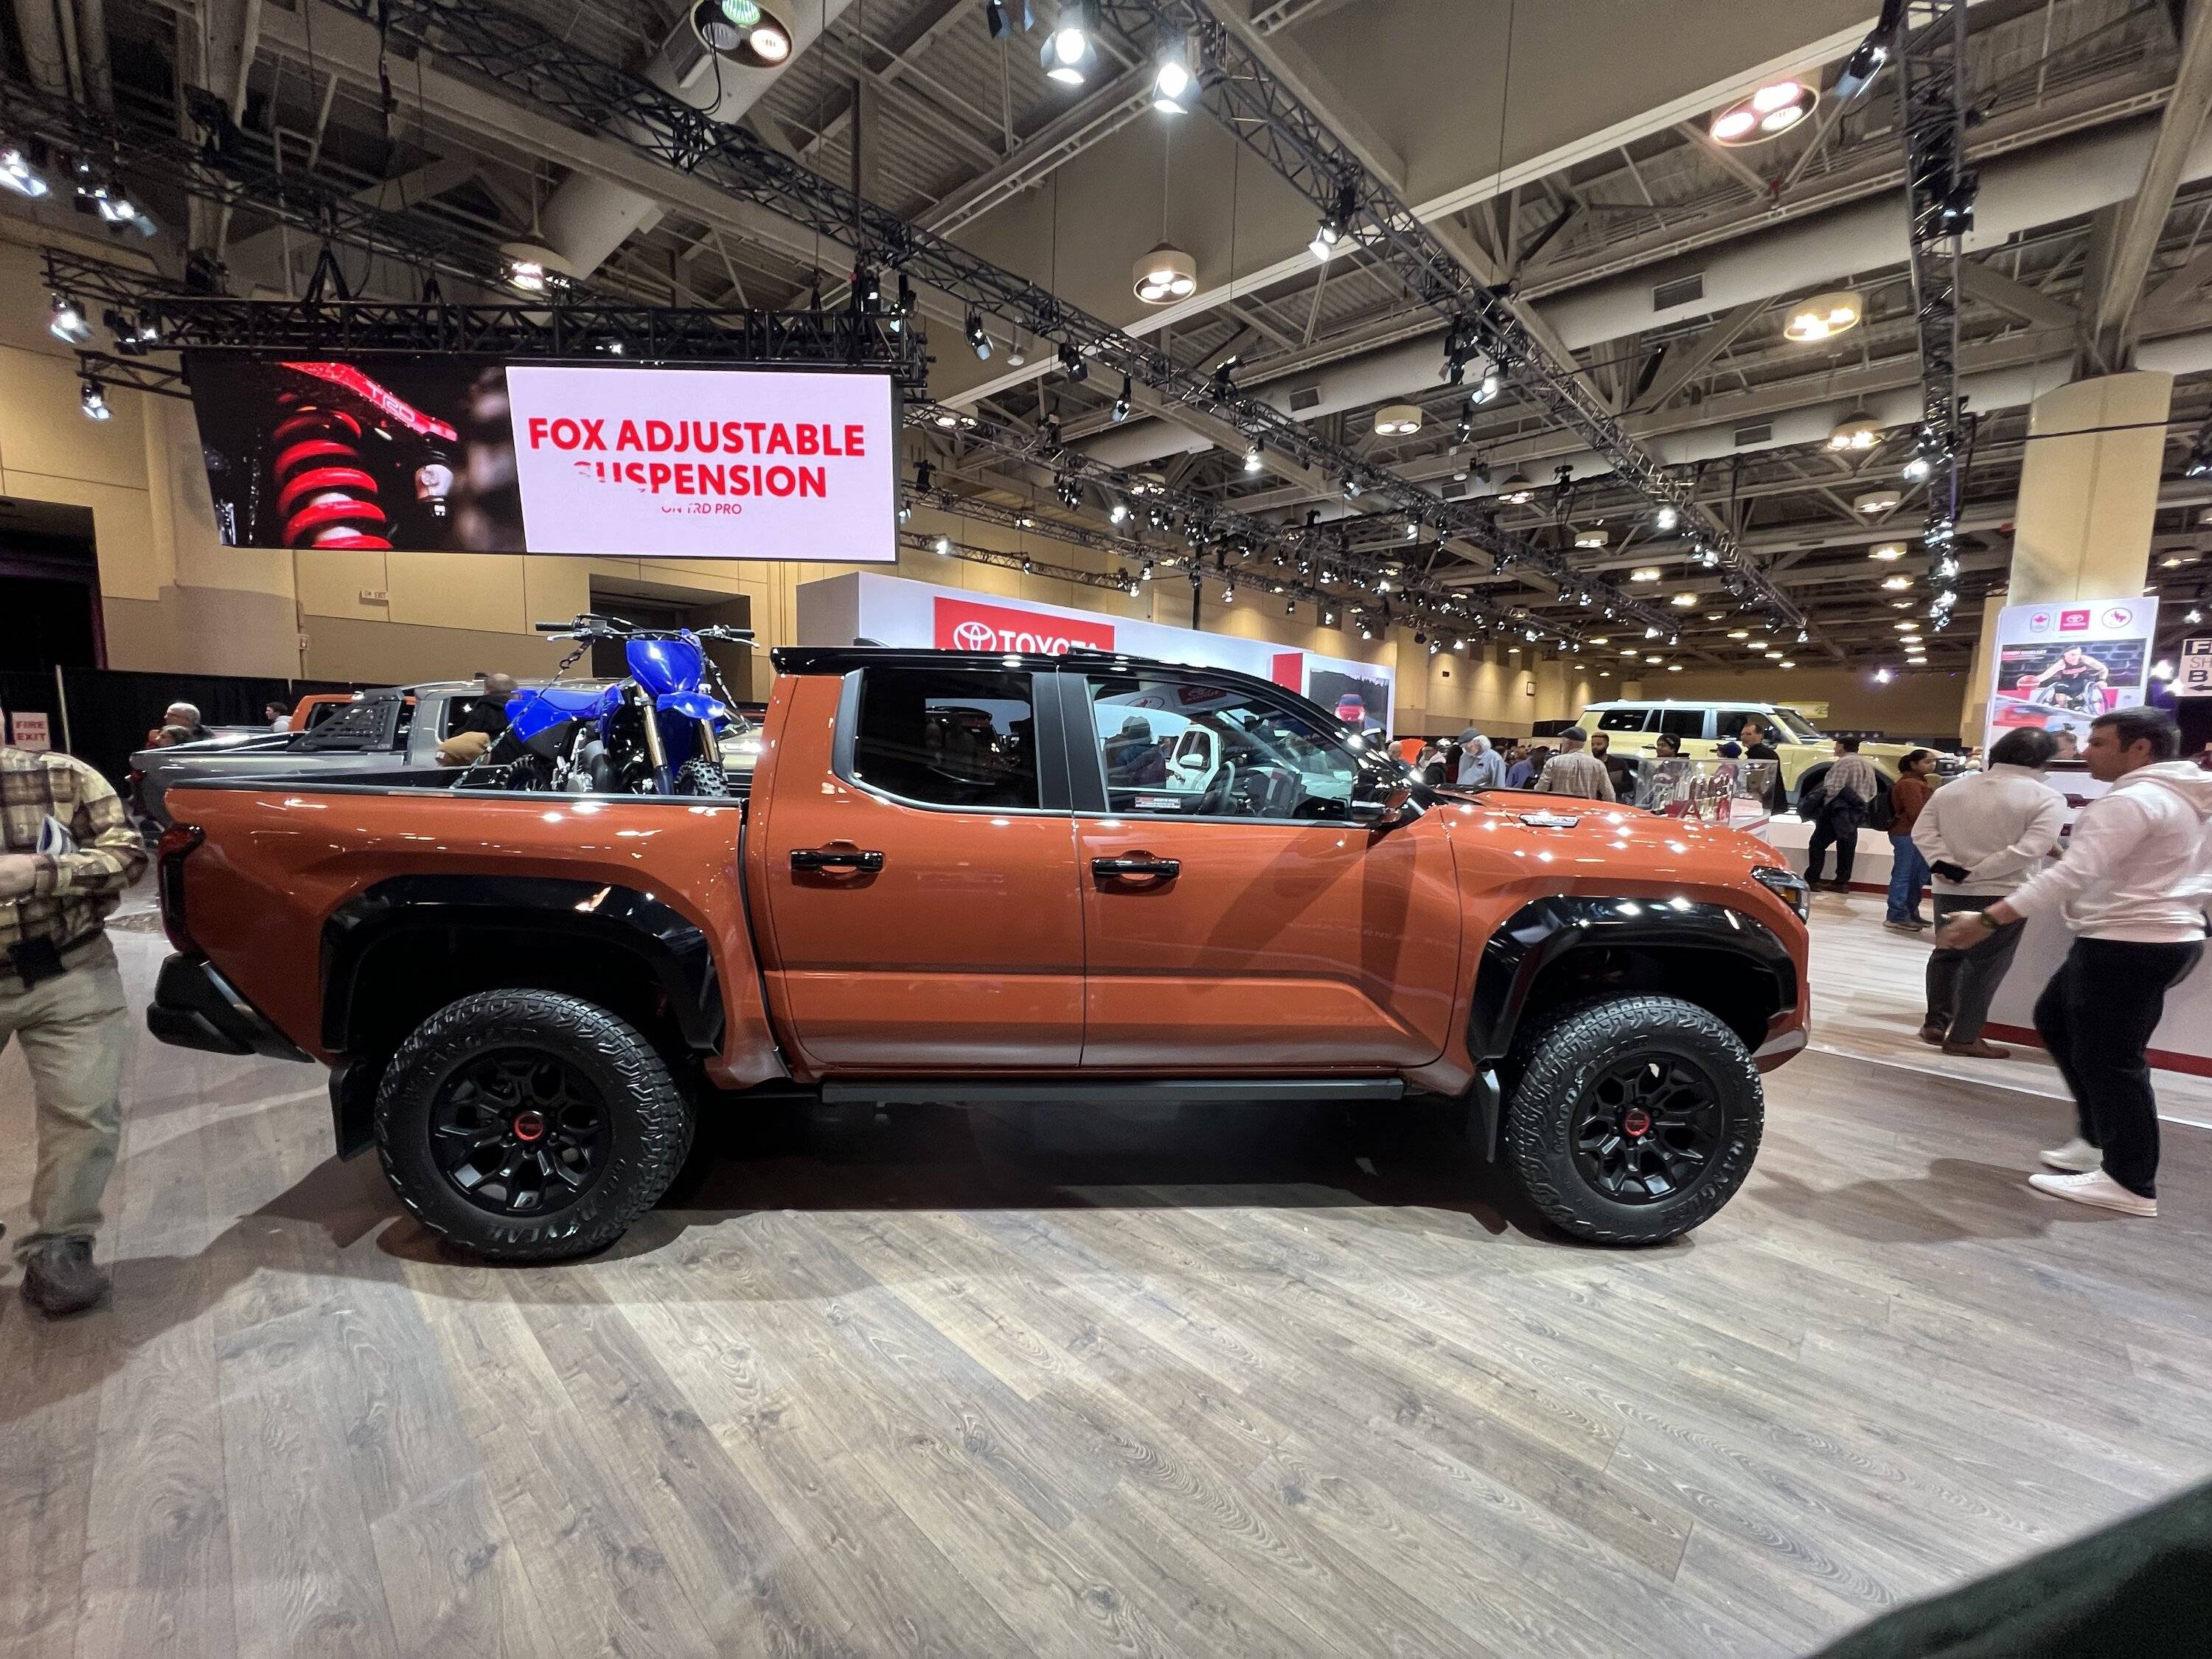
1165,275
1397,420
1517,489
1875,501
1824,316
1856,432
1070,53
1767,114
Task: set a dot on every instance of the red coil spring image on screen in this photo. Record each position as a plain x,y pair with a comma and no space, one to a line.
324,496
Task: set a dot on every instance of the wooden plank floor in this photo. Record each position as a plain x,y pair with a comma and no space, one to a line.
1246,1387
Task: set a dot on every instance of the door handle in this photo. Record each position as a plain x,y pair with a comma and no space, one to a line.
816,858
1137,867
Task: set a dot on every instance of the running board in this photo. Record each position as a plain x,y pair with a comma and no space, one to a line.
1112,1092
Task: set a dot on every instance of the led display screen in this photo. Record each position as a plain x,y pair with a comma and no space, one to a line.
466,454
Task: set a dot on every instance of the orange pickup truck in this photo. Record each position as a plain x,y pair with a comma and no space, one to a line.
973,879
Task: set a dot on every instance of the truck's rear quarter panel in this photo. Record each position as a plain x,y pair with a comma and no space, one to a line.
276,863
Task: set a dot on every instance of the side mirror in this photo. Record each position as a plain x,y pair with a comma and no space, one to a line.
1384,812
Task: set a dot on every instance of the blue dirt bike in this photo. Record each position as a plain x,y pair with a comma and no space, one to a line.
658,732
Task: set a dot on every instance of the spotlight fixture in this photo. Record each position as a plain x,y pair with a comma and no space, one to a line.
1888,550
924,478
1487,387
1869,56
1165,275
1874,502
1666,516
93,401
944,545
979,341
19,174
66,321
1883,676
1073,365
1335,227
531,269
999,23
2193,615
1517,490
1397,420
1859,431
1351,487
1919,468
1767,114
1706,557
1119,512
1174,81
1070,55
1254,459
1121,403
1824,316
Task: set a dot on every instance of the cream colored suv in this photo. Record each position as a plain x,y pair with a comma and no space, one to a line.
1634,728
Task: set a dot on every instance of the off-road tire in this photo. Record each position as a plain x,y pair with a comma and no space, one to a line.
697,776
650,1121
1564,1056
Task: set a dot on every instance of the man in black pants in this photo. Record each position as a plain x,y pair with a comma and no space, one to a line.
2133,885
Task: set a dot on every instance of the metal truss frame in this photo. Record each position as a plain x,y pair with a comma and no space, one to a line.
526,57
134,373
1271,120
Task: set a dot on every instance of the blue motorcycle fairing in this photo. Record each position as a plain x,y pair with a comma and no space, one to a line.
529,712
696,704
664,666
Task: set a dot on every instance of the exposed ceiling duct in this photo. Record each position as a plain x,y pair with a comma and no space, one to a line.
2059,181
587,218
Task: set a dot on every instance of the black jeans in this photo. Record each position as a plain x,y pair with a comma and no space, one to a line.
1962,983
1826,832
2096,1016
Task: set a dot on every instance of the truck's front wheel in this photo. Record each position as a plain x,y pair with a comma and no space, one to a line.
1635,1119
528,1126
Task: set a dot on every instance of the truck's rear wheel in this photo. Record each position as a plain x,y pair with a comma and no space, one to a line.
527,1126
1635,1119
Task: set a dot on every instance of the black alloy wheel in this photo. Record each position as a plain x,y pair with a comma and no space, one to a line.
1633,1118
519,1133
1647,1128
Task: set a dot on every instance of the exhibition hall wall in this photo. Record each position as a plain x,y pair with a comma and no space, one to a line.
174,599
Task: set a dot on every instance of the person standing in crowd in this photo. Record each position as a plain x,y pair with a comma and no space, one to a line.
1621,768
1573,771
188,716
1981,835
70,854
277,713
1480,766
1908,871
1756,747
1520,766
2133,886
1838,808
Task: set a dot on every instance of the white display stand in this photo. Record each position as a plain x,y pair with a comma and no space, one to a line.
1791,835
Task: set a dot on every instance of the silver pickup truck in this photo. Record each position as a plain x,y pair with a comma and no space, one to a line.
381,730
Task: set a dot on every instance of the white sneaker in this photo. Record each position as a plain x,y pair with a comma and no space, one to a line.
2076,1155
2096,1187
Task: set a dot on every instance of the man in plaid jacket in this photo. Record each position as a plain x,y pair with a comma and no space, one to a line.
68,855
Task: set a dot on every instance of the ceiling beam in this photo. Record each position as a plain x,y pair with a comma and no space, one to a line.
1294,66
1687,359
1992,287
2145,215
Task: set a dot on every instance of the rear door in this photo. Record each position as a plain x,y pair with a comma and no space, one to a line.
923,912
1236,920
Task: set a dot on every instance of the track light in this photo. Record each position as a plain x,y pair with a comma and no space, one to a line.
1918,469
18,174
1253,458
924,478
999,23
1119,512
979,341
1869,56
67,322
1070,54
944,545
1072,364
1174,82
1351,487
1335,226
1666,516
93,401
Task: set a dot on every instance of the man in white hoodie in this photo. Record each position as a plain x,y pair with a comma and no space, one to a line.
2133,886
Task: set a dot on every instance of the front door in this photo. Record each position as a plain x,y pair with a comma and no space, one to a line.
1236,917
923,908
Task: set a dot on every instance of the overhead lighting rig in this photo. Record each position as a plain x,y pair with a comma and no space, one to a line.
535,62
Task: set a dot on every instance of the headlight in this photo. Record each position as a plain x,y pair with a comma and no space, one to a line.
1788,885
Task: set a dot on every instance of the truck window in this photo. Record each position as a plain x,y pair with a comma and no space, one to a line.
1733,720
947,737
1622,719
370,723
1682,722
1182,749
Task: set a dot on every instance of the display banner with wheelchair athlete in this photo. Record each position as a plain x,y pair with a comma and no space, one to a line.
2061,664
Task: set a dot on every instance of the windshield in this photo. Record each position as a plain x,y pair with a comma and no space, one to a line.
1799,729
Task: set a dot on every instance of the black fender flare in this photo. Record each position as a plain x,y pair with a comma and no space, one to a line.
1547,930
675,951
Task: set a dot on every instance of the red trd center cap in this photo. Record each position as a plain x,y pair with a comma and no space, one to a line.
1636,1121
529,1126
